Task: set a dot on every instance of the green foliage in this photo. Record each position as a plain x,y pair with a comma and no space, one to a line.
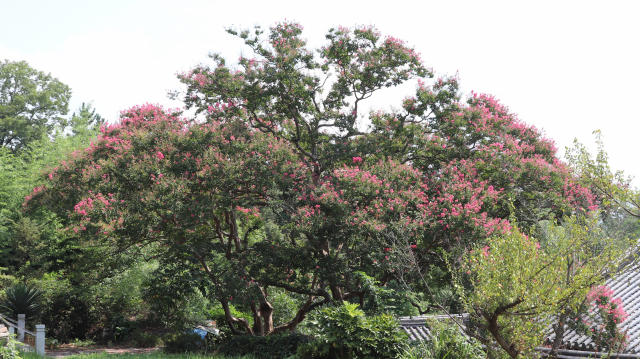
182,343
390,299
5,280
347,332
123,290
272,346
9,348
173,297
31,245
217,314
515,286
315,349
145,340
85,122
51,343
446,342
280,186
66,311
121,329
31,103
21,299
81,310
613,189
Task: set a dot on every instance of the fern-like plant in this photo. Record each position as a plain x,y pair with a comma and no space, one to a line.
21,299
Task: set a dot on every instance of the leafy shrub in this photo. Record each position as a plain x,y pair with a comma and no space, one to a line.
268,347
21,299
315,350
121,328
51,343
66,311
346,332
172,300
144,340
5,279
447,342
182,343
9,348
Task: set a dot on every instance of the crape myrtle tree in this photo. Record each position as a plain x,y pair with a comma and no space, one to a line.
278,185
497,165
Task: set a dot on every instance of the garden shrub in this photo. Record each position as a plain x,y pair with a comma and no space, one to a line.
172,300
182,343
66,312
121,329
267,347
144,340
315,350
9,348
345,331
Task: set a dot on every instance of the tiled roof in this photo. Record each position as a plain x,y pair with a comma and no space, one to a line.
626,287
417,330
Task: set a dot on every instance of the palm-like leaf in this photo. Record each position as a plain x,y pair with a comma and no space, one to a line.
21,299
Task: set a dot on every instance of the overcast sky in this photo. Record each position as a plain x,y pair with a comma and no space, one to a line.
567,67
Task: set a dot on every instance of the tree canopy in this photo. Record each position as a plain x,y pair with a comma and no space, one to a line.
285,181
31,104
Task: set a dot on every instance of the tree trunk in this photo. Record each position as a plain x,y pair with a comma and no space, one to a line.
293,323
495,331
258,328
558,328
262,318
231,319
336,293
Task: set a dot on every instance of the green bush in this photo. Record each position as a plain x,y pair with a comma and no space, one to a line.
66,311
9,348
447,342
172,300
345,331
121,329
182,343
144,340
268,347
315,350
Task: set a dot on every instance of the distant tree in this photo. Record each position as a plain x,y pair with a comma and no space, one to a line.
30,244
31,104
86,121
613,189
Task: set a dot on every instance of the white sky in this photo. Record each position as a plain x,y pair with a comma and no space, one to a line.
568,67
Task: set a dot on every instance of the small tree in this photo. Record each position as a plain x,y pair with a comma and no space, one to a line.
613,190
515,286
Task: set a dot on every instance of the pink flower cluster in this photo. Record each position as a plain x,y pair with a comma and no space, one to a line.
601,296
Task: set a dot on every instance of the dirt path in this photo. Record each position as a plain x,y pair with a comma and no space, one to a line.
65,352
